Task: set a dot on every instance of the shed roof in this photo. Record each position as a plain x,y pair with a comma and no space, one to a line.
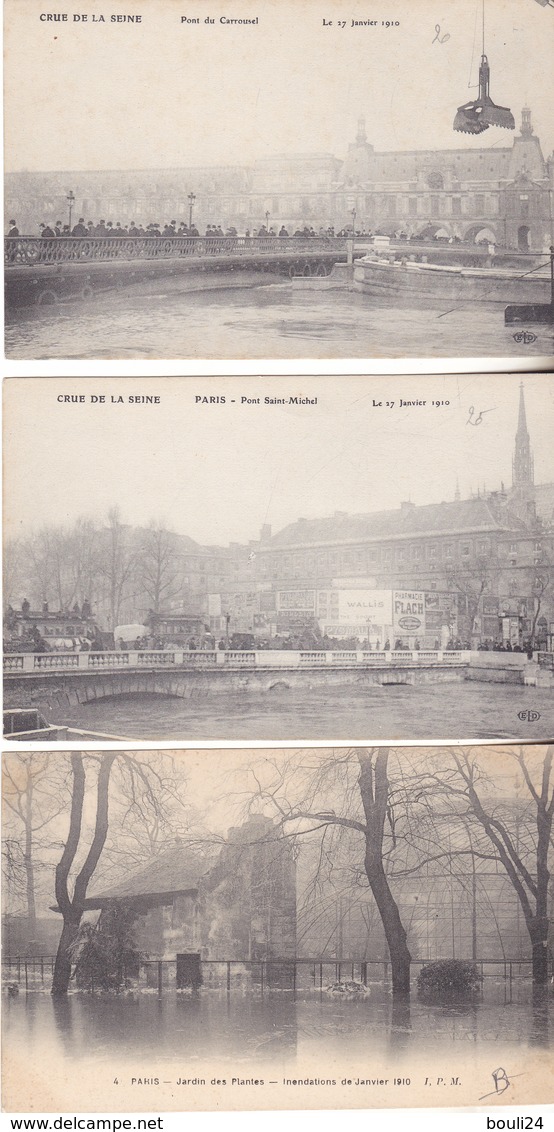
174,872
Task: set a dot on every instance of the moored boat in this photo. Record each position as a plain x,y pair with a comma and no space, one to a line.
379,275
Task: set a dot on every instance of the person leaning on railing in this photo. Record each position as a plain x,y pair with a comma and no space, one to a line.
14,230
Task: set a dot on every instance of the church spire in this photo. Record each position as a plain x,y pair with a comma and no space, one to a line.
522,465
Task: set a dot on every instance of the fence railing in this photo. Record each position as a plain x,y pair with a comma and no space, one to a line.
296,974
33,250
20,663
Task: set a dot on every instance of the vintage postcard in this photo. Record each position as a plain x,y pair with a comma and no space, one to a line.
278,180
328,928
279,559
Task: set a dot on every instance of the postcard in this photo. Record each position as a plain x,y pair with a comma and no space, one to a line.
279,559
352,928
279,180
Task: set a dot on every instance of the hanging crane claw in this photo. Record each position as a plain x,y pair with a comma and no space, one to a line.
475,117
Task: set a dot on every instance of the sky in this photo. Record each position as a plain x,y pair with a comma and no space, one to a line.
166,93
217,472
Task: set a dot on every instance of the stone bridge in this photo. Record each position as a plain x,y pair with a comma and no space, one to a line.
47,271
54,683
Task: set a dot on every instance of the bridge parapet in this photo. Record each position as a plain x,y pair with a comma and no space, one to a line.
31,251
17,664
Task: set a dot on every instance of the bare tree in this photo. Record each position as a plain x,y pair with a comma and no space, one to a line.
472,581
159,565
540,586
72,907
33,795
370,807
520,836
118,564
141,780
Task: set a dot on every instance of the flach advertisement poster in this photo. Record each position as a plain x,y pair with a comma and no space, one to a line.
274,180
265,929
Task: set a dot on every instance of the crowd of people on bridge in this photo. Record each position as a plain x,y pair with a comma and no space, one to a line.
108,229
89,229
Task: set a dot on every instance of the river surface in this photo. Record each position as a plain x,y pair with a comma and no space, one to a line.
170,1041
265,322
440,711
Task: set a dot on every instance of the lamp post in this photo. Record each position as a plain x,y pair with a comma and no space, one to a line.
368,623
267,215
353,221
191,200
227,620
70,198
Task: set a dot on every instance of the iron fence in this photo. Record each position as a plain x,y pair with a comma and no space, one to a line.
297,975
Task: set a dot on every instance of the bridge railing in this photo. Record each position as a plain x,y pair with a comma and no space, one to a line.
51,662
34,250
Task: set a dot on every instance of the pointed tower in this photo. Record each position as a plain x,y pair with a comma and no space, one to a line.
522,463
523,484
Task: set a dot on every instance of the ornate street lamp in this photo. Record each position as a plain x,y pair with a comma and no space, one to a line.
353,214
70,198
267,215
191,200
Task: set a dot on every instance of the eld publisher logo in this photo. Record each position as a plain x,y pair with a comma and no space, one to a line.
528,716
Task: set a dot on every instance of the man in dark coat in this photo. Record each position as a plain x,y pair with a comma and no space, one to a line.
80,229
14,230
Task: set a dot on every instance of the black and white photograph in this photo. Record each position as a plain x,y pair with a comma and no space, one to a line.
279,559
279,181
340,927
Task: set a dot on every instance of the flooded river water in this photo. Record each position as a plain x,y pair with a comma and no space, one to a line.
272,321
445,711
94,1044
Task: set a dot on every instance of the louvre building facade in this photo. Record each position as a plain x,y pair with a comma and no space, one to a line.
503,193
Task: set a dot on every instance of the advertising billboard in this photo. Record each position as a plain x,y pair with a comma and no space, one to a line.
296,600
408,612
357,607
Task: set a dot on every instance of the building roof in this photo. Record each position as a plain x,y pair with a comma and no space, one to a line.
544,498
174,872
408,521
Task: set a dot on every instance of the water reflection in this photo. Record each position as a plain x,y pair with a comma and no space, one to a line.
247,1027
539,1035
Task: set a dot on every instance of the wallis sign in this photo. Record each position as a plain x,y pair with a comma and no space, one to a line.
408,611
359,606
